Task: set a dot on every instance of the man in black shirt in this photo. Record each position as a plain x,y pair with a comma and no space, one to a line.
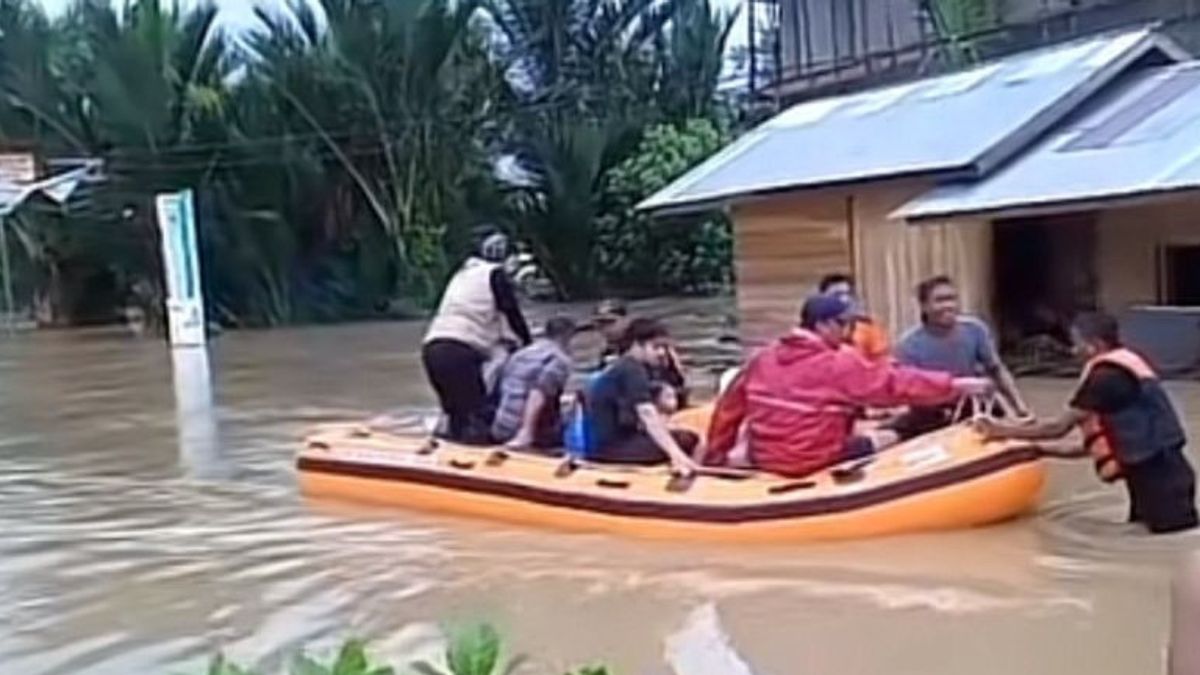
611,319
627,427
1129,426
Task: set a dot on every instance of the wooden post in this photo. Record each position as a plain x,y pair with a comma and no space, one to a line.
8,291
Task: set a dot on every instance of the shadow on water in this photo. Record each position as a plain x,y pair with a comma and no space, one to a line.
150,516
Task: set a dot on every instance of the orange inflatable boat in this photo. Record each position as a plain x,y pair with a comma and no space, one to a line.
948,479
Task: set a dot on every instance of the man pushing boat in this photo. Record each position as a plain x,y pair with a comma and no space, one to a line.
1130,428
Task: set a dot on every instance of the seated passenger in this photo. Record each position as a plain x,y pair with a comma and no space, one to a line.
950,342
799,396
866,336
531,385
665,398
611,319
625,425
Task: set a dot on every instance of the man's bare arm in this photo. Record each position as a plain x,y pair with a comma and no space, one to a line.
1046,430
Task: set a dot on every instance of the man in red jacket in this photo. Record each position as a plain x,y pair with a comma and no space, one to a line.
800,396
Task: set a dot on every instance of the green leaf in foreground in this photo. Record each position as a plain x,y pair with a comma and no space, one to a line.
474,650
220,666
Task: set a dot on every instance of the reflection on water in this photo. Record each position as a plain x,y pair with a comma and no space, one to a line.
195,419
150,515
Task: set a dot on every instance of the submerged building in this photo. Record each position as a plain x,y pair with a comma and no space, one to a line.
1047,182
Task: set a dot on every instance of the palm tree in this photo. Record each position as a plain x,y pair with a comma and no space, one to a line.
135,88
555,205
958,23
692,58
396,93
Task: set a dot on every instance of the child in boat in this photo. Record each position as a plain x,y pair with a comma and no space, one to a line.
1129,427
665,398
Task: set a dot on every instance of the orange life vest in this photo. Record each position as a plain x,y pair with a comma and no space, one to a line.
870,339
1095,438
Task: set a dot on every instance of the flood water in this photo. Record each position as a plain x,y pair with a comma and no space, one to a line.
146,521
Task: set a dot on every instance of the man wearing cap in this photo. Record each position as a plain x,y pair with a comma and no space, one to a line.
799,396
611,319
531,385
478,310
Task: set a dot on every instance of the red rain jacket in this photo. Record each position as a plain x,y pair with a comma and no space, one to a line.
799,397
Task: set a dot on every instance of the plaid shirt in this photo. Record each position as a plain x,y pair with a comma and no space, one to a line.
542,365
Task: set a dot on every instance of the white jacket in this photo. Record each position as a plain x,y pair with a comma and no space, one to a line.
467,312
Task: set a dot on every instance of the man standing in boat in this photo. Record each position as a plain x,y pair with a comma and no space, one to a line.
1129,426
478,309
953,343
800,395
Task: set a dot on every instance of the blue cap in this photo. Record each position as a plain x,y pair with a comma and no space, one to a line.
820,308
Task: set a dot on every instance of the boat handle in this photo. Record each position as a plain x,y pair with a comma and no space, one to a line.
681,482
565,468
428,448
611,483
497,458
318,445
791,487
462,464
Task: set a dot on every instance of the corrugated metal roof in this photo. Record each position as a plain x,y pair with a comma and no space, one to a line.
1142,137
959,124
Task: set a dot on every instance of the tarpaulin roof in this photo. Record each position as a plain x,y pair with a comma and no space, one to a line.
962,124
1142,137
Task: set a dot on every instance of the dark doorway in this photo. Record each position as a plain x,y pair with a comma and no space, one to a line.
1045,274
1179,274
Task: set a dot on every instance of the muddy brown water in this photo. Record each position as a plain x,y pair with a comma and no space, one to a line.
142,528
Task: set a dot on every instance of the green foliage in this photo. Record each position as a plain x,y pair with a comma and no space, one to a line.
351,660
341,155
958,21
599,74
636,253
472,650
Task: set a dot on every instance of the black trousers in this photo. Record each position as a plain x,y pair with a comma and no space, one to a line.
1162,492
640,449
455,369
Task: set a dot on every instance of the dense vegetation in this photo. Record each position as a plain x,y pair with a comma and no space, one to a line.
343,152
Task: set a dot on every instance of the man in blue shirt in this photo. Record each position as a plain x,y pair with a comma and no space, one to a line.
949,342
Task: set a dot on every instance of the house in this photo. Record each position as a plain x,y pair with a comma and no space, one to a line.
805,48
1049,181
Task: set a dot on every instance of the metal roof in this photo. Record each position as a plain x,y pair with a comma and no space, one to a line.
1143,137
961,124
